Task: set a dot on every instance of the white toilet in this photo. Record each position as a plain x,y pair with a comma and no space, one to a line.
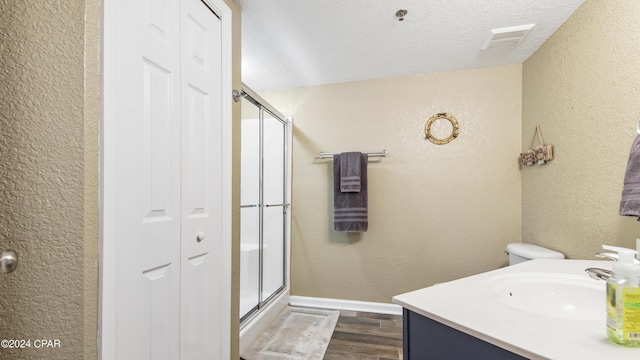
520,252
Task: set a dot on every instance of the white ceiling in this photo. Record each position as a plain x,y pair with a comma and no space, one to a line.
291,43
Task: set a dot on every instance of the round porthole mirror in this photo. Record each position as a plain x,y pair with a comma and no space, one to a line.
437,125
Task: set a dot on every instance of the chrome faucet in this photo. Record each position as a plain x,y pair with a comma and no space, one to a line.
602,274
599,274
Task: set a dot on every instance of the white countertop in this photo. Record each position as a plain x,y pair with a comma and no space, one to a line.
467,305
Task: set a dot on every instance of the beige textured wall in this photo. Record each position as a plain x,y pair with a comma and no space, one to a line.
42,171
92,108
436,212
583,88
235,197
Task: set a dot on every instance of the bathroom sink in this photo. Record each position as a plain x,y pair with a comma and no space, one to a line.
553,295
538,309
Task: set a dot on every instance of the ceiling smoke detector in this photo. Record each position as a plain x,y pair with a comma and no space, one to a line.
506,37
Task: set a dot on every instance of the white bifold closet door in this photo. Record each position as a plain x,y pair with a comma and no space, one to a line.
168,179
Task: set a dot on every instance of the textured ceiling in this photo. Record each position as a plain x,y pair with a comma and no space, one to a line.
291,43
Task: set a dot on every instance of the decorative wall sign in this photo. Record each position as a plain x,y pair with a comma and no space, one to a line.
538,155
454,133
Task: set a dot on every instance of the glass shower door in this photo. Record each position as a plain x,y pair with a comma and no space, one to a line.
250,210
273,217
263,205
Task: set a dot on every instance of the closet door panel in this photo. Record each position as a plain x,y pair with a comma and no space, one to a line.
201,113
146,150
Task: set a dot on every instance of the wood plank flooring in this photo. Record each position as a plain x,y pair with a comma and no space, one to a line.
366,336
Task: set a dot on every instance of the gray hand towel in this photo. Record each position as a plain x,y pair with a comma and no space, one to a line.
350,208
630,202
350,176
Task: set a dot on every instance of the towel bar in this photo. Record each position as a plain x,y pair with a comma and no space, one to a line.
324,155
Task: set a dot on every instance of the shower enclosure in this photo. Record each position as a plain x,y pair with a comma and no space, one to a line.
264,230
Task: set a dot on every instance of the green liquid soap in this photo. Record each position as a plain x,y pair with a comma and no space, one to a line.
623,313
623,299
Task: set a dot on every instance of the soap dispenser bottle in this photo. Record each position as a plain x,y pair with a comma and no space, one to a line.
623,299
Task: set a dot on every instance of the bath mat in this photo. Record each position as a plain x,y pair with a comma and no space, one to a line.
298,334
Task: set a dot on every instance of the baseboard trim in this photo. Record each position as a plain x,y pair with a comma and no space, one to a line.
339,304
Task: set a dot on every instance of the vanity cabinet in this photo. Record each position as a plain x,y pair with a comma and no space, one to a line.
424,339
478,317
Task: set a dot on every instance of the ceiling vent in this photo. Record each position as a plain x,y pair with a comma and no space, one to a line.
506,37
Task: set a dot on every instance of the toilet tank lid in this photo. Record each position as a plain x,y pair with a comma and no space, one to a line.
531,251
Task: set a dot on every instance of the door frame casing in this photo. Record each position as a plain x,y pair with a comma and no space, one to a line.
107,263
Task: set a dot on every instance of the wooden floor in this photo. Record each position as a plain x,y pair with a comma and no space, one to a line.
366,336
